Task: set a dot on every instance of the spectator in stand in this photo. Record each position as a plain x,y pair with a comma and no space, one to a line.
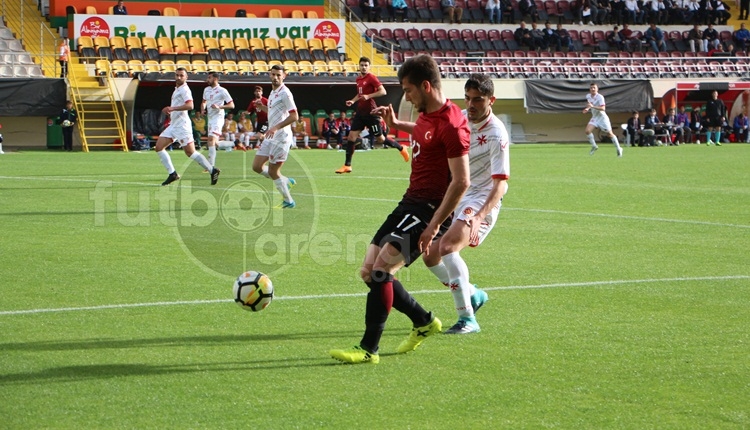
494,12
598,12
691,11
63,52
741,124
564,37
120,9
538,35
331,130
629,42
506,9
720,14
683,120
452,12
655,37
398,7
614,39
634,130
695,39
617,11
633,12
584,13
719,51
551,39
523,36
696,123
742,38
371,9
673,128
744,6
528,7
657,12
710,38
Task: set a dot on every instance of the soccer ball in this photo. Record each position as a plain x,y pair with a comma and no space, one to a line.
253,291
66,123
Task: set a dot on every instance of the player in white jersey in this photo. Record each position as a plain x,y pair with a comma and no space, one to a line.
476,214
599,119
180,130
216,99
282,113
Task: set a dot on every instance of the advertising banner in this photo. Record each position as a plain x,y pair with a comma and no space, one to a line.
176,26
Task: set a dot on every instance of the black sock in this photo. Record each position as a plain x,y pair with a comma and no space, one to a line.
392,143
376,315
349,152
407,305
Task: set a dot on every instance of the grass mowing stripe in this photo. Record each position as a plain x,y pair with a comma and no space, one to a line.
334,296
371,199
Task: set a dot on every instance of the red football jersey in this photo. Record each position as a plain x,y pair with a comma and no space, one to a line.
366,84
437,136
261,117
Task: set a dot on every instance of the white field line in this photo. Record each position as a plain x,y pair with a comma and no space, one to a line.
372,199
362,294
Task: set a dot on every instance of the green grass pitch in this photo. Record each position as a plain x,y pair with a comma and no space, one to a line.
619,295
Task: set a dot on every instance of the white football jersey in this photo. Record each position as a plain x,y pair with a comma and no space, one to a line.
598,101
216,96
280,104
489,156
180,96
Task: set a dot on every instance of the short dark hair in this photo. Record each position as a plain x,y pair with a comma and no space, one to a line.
419,69
278,67
364,59
258,87
214,74
482,83
181,69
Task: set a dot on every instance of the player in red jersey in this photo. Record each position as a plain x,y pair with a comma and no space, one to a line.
368,88
261,116
438,180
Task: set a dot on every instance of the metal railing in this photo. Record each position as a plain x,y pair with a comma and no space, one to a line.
25,19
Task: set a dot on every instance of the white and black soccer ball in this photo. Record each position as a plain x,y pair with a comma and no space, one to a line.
253,291
66,123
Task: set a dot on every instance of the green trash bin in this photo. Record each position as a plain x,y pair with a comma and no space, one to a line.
54,133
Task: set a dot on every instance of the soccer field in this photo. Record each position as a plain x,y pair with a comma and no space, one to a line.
619,295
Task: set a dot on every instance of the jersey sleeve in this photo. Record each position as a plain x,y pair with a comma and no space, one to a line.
457,139
290,105
226,96
500,153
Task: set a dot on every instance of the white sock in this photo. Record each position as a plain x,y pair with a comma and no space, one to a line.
307,140
265,172
1,148
441,272
212,155
166,160
616,142
200,159
283,189
458,272
590,136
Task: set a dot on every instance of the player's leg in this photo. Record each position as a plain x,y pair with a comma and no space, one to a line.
590,136
451,244
196,156
162,142
379,134
282,184
358,125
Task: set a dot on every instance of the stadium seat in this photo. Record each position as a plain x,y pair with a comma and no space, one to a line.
168,66
165,45
119,69
150,48
197,46
335,68
261,68
101,67
210,12
311,14
352,68
152,66
291,68
200,67
185,64
245,67
215,66
298,14
170,11
91,10
275,13
231,67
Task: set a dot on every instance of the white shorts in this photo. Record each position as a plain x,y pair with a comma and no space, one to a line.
468,207
182,135
215,126
276,151
602,123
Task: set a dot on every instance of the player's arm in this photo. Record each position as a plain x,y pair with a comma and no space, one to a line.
259,105
460,181
389,116
291,119
187,106
203,106
228,105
